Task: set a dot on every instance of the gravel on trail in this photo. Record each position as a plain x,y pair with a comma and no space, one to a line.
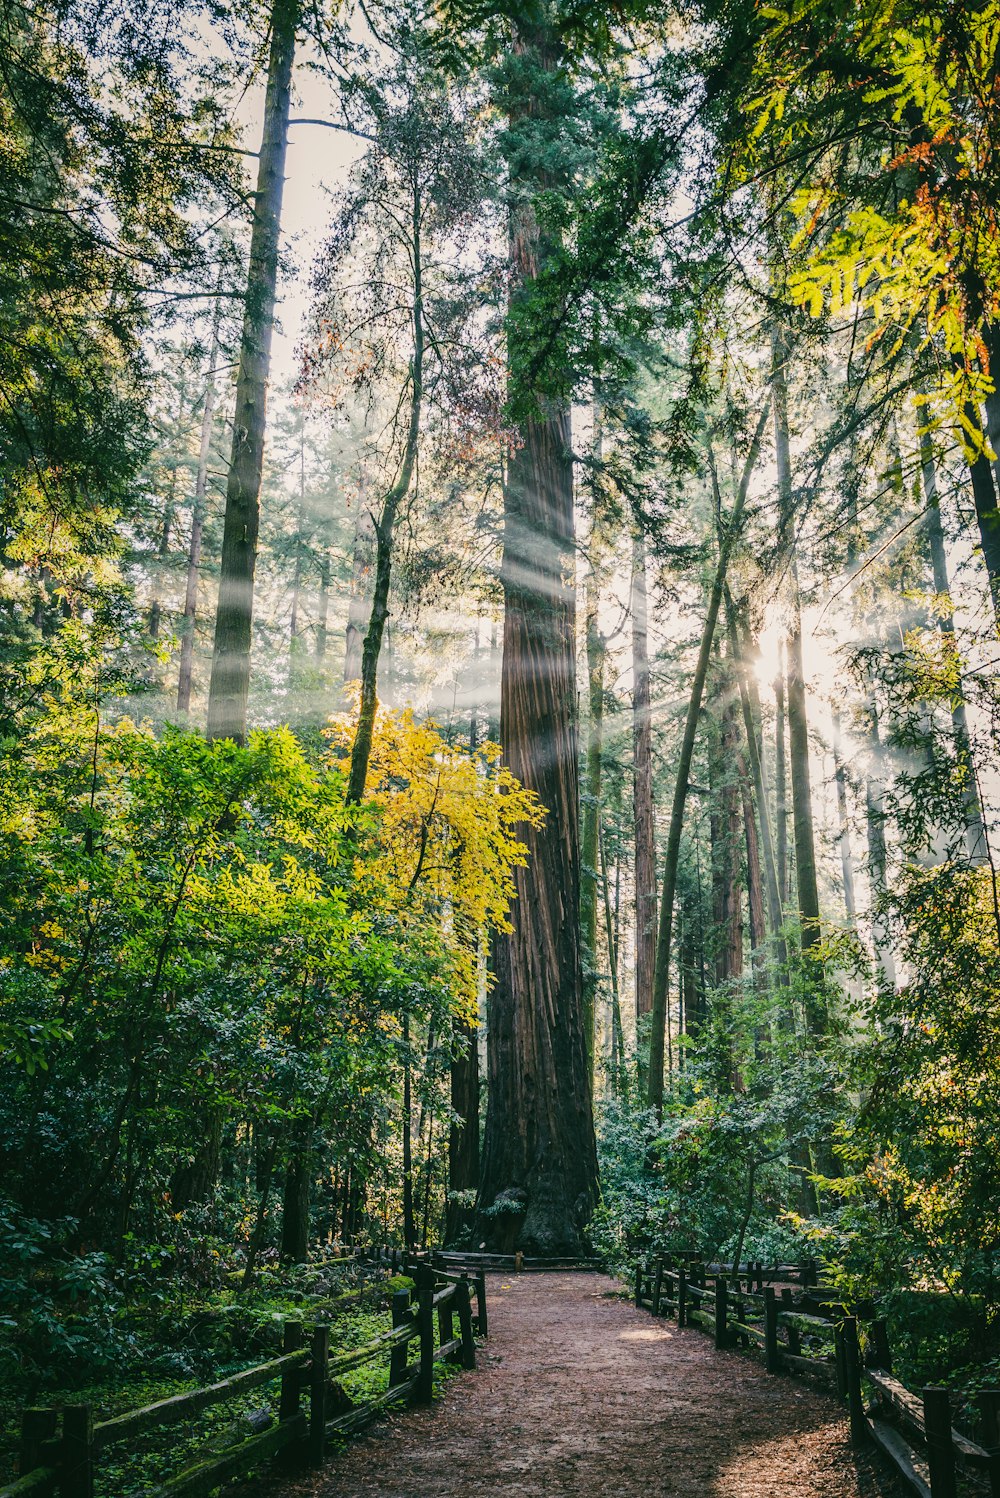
578,1393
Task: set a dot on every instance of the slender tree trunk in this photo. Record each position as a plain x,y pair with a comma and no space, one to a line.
463,1133
230,681
726,838
409,1219
385,529
877,853
657,1035
642,787
540,1155
300,524
780,779
751,717
975,834
843,825
611,936
323,599
798,723
984,494
359,606
755,883
186,664
596,654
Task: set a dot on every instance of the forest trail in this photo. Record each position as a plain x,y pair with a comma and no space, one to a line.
578,1393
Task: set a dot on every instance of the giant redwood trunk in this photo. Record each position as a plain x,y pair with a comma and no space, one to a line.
229,687
540,1163
540,1158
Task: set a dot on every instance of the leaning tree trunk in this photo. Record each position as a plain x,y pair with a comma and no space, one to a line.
385,529
540,1157
661,978
642,788
229,687
185,668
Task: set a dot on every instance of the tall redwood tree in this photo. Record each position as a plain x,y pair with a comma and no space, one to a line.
539,1179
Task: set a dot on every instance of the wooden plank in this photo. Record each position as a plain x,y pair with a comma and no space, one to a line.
825,1370
443,1296
205,1476
358,1355
448,1349
814,1325
184,1406
42,1480
702,1319
910,1409
749,1331
345,1425
902,1456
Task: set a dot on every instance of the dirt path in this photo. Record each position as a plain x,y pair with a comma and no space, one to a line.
578,1393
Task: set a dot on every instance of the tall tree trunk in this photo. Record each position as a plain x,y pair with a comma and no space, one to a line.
843,825
463,1133
751,719
755,883
295,1198
877,852
386,525
230,681
540,1155
984,494
611,935
661,978
409,1218
726,837
323,597
300,525
596,655
359,606
975,833
780,779
798,723
186,664
642,787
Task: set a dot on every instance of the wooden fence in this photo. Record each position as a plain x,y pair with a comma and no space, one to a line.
850,1355
60,1450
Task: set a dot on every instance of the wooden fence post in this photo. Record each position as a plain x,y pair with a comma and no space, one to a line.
840,1360
289,1402
989,1415
880,1355
852,1373
940,1452
463,1297
76,1474
682,1296
317,1394
721,1306
657,1287
37,1426
425,1321
446,1323
638,1286
482,1316
290,1397
772,1355
400,1308
791,1332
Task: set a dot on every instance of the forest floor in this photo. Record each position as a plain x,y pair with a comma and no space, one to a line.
578,1393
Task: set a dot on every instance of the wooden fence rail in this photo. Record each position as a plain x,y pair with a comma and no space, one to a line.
914,1431
60,1449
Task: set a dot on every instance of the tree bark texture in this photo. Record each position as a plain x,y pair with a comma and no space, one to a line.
642,787
229,687
540,1156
